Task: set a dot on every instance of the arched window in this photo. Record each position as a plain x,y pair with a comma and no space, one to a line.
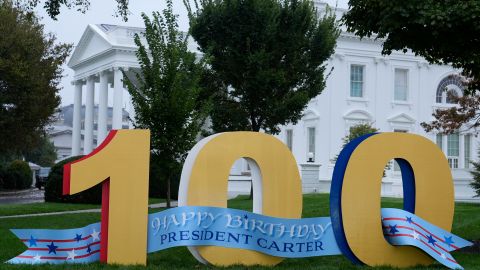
452,84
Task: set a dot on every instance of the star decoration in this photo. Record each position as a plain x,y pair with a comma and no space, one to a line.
89,249
409,220
431,240
37,257
245,217
52,248
443,256
393,229
95,235
415,235
71,255
448,240
32,242
78,237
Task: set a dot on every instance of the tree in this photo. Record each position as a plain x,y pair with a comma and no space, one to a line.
44,154
30,73
268,57
355,132
475,172
52,7
166,91
441,31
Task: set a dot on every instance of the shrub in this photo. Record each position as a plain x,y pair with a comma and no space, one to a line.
475,172
17,175
54,187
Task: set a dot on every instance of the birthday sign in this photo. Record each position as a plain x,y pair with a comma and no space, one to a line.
214,234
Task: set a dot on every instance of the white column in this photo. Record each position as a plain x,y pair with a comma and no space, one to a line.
102,108
77,119
461,152
117,99
89,107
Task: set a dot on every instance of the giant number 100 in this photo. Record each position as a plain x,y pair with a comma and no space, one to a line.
121,164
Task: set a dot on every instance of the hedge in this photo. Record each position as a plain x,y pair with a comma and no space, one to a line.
54,187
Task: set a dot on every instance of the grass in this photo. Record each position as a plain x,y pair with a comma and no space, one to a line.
466,224
34,208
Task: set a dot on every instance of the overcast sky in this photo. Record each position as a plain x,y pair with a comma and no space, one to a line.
70,25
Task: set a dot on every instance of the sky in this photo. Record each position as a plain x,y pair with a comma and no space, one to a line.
70,25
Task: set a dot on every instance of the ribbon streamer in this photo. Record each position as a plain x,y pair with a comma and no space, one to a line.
202,226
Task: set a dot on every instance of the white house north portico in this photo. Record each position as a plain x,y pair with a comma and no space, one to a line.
104,54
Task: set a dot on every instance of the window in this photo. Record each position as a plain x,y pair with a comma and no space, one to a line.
453,84
289,139
466,151
453,150
440,141
401,85
311,142
356,80
451,94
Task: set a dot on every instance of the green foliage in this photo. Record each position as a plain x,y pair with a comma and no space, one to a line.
17,176
53,7
267,57
166,91
358,131
44,154
355,132
475,172
426,27
30,73
54,187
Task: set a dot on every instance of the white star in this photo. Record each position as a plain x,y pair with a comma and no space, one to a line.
37,257
415,235
71,255
95,235
443,256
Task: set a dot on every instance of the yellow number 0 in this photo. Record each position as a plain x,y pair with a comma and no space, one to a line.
277,185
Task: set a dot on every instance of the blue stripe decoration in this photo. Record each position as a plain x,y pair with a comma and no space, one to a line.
214,226
336,196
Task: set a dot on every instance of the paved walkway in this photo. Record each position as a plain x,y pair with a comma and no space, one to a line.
32,195
152,206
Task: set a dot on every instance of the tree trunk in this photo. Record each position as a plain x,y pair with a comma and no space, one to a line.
168,192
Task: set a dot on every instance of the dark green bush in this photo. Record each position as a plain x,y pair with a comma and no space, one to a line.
54,187
17,175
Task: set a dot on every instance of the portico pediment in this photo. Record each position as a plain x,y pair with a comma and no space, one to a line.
402,118
359,115
93,42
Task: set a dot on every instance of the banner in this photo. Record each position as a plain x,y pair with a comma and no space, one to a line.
201,226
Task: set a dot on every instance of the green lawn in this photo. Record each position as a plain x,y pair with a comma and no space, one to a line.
34,208
467,225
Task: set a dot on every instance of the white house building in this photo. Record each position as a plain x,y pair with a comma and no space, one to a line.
394,93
